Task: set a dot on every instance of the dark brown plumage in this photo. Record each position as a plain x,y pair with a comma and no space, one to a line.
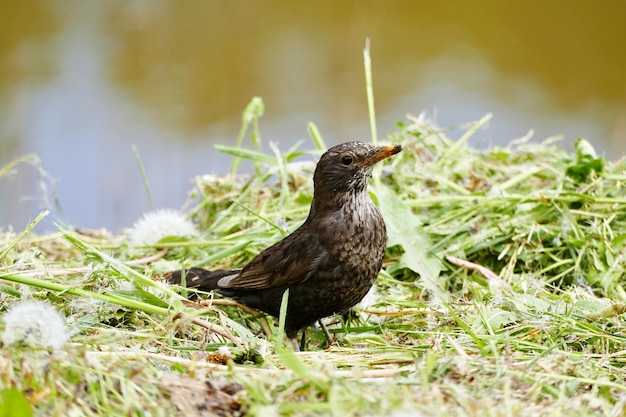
330,262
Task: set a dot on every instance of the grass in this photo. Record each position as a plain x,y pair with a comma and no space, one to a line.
501,294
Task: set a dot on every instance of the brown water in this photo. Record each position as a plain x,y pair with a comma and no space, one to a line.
80,81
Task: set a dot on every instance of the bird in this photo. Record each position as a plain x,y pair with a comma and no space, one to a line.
329,263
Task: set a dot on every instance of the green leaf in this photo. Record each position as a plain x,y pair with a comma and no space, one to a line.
498,318
404,229
13,403
174,239
292,362
253,110
293,152
586,161
252,155
141,295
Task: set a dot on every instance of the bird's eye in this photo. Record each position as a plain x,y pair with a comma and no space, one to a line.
346,160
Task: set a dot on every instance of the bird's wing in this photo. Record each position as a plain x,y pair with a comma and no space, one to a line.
289,261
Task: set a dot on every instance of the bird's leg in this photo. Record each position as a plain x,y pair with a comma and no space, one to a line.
325,330
294,343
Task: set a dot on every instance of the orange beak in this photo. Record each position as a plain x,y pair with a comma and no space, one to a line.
382,152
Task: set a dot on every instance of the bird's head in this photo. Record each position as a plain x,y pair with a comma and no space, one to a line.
348,167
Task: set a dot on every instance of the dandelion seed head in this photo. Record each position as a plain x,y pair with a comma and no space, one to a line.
34,323
155,225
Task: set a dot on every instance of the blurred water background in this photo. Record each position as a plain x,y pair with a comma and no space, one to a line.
83,81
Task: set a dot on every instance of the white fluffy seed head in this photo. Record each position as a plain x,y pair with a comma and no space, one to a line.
34,323
155,225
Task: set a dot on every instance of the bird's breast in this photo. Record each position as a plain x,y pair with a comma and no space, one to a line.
355,234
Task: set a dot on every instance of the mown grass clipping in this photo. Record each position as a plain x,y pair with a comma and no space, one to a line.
501,294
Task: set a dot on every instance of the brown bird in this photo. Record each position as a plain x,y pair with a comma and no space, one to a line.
330,262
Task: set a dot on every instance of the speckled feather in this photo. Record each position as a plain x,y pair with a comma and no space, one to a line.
330,262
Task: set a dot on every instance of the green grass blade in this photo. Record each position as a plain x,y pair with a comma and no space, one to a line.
144,176
23,234
369,88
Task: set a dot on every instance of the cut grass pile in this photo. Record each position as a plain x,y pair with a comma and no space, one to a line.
501,294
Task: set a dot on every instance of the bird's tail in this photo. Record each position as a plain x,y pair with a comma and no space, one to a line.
199,278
